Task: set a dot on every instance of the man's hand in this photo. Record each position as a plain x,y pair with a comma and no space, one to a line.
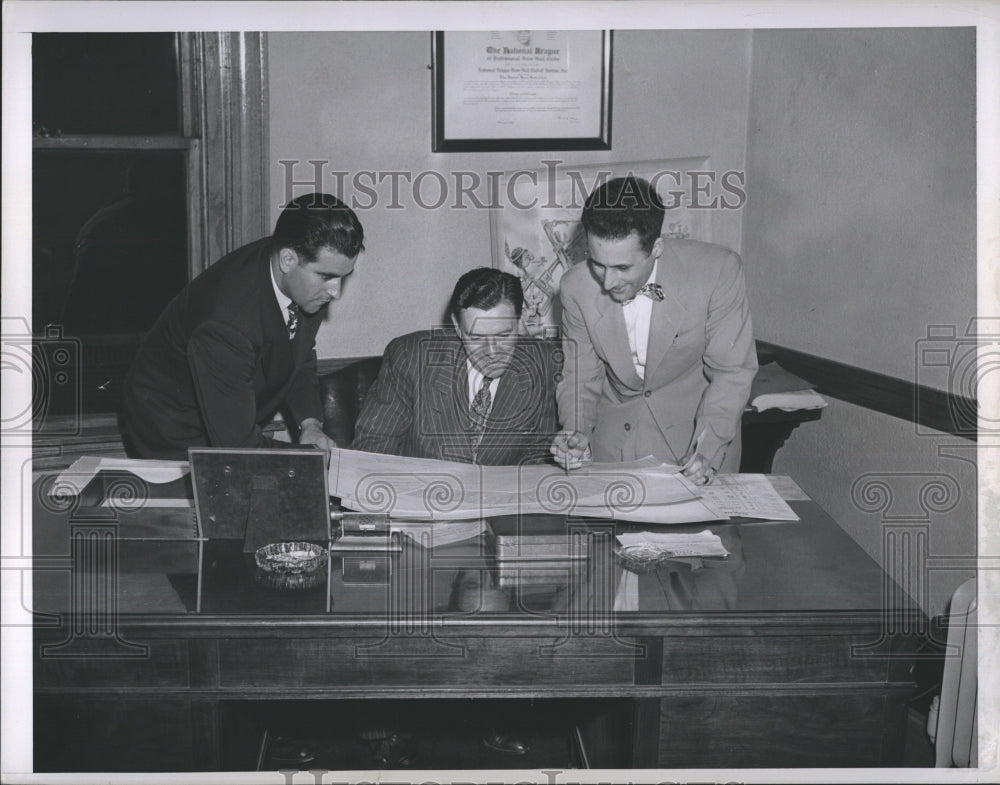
312,433
571,449
695,467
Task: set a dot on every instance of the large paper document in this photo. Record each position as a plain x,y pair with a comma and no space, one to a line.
424,489
694,511
74,479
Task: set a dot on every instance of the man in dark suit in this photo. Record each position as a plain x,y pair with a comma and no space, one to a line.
478,394
658,339
238,342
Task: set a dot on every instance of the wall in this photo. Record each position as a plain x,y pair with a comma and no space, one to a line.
362,101
861,190
860,222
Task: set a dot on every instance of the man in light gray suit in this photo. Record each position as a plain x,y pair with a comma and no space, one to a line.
658,342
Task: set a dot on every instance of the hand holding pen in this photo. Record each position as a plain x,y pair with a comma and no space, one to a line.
571,450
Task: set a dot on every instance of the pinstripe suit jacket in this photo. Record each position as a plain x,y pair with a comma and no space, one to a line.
419,404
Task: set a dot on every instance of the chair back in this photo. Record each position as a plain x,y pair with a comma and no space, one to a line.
955,743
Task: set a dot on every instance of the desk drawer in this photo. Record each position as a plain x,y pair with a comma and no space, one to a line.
769,659
91,734
103,663
424,661
719,730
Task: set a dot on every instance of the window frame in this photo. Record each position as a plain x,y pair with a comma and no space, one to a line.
223,110
223,98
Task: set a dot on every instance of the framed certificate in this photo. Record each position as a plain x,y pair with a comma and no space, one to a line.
521,90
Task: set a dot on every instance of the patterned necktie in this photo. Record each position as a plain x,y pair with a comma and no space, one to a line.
479,412
651,290
293,320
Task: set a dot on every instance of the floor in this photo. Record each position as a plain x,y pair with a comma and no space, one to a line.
919,750
448,737
316,735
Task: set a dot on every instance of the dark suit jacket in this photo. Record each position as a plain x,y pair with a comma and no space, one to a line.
419,404
218,363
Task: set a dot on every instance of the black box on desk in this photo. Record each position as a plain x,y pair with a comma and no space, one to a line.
365,532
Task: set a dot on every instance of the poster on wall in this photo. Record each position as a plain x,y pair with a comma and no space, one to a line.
521,90
536,232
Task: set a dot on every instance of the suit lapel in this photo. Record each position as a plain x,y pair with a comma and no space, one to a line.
609,329
442,364
276,354
513,396
667,316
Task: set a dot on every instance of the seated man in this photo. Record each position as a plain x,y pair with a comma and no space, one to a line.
478,394
238,341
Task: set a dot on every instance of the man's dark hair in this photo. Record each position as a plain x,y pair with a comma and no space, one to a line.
315,221
622,206
485,288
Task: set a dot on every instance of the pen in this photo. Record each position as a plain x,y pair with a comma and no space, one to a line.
566,456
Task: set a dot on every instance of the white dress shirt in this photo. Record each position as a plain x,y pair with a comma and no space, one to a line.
284,301
637,315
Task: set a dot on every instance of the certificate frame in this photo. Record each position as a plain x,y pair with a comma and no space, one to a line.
573,67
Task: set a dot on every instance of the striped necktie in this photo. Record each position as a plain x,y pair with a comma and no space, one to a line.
293,320
479,412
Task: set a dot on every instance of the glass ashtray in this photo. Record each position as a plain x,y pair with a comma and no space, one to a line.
291,565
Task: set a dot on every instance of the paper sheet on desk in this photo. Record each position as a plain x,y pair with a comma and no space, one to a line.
680,544
748,496
74,479
798,400
117,503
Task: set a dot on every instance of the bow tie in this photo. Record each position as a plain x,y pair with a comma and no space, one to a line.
651,290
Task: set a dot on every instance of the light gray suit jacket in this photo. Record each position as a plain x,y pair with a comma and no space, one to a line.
701,360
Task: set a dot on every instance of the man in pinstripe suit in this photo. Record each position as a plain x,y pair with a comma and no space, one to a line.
475,394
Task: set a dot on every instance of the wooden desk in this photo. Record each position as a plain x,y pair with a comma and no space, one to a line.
792,652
